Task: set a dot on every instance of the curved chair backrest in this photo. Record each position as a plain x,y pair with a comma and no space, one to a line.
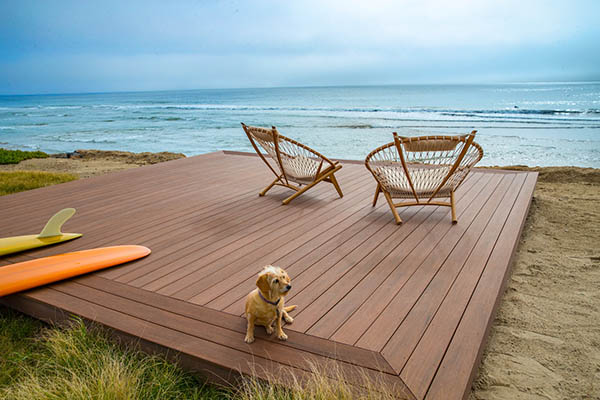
433,166
296,162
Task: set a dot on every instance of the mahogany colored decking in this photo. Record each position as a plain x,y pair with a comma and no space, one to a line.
408,304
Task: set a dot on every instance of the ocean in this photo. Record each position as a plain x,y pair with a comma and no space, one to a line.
539,124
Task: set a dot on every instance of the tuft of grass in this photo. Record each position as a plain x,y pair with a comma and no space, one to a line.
16,156
326,381
18,181
80,363
17,344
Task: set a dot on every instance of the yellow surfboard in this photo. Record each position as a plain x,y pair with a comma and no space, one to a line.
51,234
29,274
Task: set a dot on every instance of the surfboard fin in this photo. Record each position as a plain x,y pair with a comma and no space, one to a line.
54,224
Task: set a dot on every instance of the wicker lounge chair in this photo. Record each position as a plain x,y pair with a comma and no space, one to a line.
423,169
296,166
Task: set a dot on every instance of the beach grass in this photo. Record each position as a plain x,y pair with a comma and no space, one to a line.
16,344
16,156
325,381
81,362
18,181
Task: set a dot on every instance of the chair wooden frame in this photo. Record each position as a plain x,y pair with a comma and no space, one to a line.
272,142
422,168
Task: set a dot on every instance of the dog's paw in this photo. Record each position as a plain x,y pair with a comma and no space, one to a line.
282,336
249,339
269,330
288,319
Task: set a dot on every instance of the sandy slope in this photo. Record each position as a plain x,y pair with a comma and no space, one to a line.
86,163
545,342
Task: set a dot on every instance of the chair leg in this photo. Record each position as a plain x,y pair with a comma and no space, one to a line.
377,191
393,207
265,190
305,188
299,192
336,184
454,220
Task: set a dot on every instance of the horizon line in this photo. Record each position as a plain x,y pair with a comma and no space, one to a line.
303,87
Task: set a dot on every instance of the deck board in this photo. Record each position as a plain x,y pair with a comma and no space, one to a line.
440,308
464,353
311,344
232,244
410,305
372,294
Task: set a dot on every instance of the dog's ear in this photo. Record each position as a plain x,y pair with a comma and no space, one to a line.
263,283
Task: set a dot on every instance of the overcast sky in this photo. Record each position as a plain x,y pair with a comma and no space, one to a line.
90,46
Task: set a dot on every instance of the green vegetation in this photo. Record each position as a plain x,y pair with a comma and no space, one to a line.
18,181
16,344
80,363
326,382
16,156
83,362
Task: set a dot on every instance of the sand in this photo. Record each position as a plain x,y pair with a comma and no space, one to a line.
86,163
545,341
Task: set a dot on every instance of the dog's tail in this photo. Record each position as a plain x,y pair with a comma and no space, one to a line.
289,308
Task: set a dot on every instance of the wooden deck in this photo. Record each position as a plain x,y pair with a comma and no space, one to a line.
409,305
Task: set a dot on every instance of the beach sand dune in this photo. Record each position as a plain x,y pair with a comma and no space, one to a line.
545,341
86,163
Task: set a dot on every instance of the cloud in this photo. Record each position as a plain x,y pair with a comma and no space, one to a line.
143,45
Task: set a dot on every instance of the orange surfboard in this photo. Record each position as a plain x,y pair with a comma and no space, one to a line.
29,274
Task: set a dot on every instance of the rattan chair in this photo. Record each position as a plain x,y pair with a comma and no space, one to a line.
422,169
295,165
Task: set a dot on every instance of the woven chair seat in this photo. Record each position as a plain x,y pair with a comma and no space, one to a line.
300,168
423,169
393,179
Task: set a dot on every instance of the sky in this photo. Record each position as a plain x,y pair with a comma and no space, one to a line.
105,45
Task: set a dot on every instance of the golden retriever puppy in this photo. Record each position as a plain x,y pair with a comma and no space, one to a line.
265,304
